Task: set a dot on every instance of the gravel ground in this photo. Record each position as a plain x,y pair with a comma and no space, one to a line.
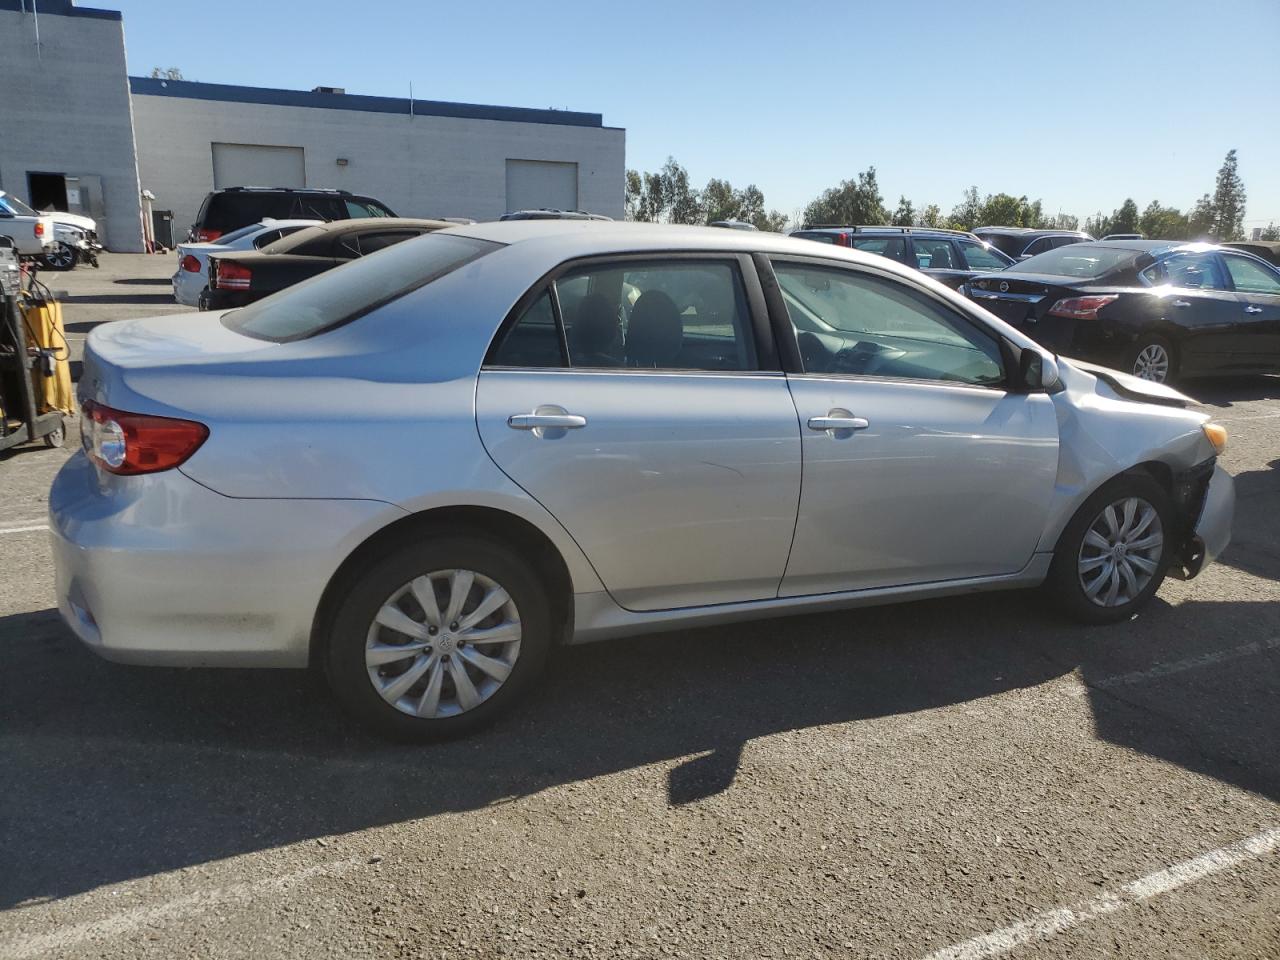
958,778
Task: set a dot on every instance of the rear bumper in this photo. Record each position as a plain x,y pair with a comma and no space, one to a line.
187,287
228,299
160,570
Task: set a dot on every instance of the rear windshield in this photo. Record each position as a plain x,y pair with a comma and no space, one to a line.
1077,260
341,295
814,235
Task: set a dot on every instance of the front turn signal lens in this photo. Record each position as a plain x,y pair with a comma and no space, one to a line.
1217,435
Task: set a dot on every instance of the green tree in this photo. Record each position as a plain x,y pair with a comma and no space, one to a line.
965,215
905,215
635,197
166,73
1228,201
1200,222
1270,233
1163,223
1099,225
931,216
1125,220
852,202
720,201
1003,210
683,205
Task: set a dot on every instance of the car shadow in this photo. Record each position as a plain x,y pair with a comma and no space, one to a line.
144,281
1228,391
114,772
1255,546
131,299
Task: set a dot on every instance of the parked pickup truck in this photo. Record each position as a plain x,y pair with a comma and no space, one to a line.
32,232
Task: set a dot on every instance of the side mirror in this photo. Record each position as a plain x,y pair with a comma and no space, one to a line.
1037,372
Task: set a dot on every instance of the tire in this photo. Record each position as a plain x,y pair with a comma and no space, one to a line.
353,636
56,438
1068,576
64,257
1150,355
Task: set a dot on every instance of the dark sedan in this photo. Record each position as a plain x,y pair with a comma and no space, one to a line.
1157,308
240,278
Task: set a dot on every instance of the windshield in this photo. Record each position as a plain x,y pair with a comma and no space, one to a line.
16,206
1077,260
341,295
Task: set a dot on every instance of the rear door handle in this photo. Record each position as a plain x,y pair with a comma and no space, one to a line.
839,423
1252,309
535,421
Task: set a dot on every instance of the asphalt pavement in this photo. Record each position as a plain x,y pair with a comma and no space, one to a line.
952,779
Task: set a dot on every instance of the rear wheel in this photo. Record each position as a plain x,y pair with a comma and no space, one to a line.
1112,556
1152,358
438,638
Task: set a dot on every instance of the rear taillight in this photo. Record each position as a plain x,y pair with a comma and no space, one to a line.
39,228
207,236
229,275
1081,308
190,264
133,443
844,240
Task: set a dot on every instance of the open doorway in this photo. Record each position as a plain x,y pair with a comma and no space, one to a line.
48,191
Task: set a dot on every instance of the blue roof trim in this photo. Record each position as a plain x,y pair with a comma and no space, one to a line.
231,93
60,8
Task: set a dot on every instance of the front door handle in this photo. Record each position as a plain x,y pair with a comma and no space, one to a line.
839,423
1182,303
547,421
1252,309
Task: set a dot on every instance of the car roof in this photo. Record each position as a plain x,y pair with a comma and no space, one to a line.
356,224
1030,231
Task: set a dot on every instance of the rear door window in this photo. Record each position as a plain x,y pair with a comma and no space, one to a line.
230,211
317,207
895,248
934,254
981,257
668,315
1194,271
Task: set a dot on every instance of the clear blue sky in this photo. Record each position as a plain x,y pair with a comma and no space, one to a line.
1079,104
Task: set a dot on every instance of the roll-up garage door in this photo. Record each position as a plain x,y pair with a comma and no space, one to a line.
533,184
255,165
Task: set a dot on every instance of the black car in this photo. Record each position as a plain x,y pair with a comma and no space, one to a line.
950,256
239,278
1023,242
549,213
1268,250
236,207
1157,308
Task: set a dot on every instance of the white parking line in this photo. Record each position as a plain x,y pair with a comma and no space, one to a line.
58,942
31,527
1044,926
1177,666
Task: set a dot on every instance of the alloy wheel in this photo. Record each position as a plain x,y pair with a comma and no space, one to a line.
61,257
443,643
1152,363
1121,552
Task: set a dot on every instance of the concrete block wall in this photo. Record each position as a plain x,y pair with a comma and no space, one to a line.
67,109
424,166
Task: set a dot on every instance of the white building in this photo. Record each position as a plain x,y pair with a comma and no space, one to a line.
77,133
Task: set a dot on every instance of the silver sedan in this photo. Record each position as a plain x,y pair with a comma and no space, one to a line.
425,469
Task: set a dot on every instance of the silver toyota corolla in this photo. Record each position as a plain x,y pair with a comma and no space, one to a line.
426,468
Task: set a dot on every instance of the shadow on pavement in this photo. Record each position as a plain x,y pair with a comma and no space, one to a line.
131,299
1228,391
113,772
144,281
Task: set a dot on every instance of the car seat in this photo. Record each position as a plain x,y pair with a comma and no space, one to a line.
655,334
595,339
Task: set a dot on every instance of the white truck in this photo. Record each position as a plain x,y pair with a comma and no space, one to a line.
61,240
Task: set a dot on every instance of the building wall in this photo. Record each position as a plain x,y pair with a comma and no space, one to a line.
68,109
420,166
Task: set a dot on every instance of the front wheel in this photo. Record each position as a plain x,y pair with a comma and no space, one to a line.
438,638
61,256
1112,556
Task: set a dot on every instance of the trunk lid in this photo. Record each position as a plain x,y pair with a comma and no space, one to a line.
142,365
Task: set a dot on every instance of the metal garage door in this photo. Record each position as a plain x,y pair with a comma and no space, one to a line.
541,183
254,165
